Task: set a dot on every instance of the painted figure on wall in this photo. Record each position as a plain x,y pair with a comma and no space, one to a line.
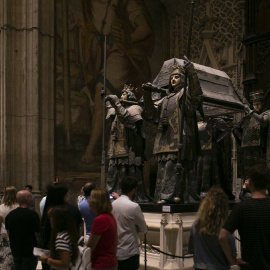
127,25
126,143
170,184
214,164
252,133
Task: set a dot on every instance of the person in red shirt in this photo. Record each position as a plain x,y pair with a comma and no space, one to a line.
103,237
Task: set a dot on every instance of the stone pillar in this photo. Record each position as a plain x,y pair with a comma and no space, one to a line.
27,93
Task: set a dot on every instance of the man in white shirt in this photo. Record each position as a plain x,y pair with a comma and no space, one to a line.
130,222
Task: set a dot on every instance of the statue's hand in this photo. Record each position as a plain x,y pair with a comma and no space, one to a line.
148,86
111,98
187,63
247,109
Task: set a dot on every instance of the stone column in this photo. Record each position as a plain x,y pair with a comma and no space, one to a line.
27,93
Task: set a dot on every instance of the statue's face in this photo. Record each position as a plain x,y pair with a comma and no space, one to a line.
175,80
258,106
124,96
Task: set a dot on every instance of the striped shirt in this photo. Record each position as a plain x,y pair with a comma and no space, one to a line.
252,220
63,242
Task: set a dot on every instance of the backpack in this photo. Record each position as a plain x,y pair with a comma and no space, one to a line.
83,261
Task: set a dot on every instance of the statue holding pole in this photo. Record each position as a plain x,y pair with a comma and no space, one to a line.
177,142
171,183
126,142
252,133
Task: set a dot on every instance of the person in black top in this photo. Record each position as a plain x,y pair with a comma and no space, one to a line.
252,220
23,226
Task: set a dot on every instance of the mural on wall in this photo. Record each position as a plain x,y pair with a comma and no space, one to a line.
134,51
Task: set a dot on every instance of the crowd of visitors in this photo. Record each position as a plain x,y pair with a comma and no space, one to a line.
112,228
61,224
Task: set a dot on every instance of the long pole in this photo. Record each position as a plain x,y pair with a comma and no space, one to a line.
145,253
182,112
103,95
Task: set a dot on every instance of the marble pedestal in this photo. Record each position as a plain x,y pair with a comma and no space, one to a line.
168,229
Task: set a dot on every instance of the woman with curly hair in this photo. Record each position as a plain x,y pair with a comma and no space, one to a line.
203,240
103,237
9,201
64,238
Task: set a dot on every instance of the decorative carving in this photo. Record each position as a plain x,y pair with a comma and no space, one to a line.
220,23
178,219
164,219
262,54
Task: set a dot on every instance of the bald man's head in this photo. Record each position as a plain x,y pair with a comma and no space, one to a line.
88,187
24,198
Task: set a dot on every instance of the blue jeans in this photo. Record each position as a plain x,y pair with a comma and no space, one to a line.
25,263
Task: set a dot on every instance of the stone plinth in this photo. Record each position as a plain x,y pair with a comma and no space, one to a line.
168,228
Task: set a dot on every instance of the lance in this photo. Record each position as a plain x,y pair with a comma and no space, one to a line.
182,112
103,95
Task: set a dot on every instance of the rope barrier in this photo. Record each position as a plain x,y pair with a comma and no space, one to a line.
174,256
162,252
237,239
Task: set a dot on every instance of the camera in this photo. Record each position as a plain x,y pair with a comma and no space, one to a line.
110,196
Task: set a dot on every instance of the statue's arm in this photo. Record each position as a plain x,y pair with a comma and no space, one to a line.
121,112
194,91
150,111
263,119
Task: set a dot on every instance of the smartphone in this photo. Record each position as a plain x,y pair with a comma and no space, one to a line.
110,196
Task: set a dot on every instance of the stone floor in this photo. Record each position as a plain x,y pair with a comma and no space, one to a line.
188,265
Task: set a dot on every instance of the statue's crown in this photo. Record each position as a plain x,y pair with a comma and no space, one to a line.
257,95
176,69
129,88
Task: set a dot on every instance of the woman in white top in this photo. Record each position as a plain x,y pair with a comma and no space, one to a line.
9,202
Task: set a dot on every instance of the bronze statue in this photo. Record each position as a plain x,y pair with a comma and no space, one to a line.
126,144
252,133
214,164
172,184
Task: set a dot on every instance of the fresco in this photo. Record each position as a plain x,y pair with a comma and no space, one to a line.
135,52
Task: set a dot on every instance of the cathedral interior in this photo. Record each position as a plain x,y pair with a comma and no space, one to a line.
52,71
